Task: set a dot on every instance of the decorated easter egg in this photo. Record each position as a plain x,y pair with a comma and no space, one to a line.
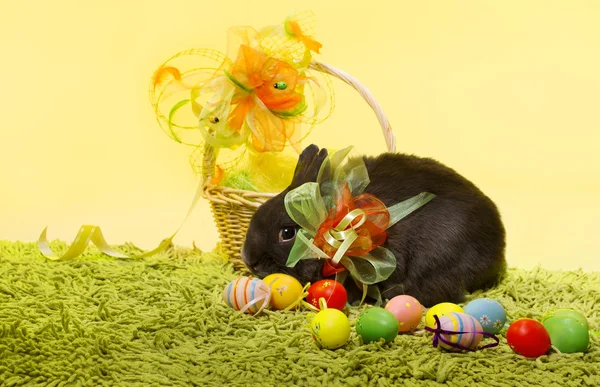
377,323
332,291
567,334
489,313
249,295
330,328
285,290
570,313
440,310
407,310
452,323
528,337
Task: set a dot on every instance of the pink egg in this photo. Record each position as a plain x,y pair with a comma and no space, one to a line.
408,311
249,295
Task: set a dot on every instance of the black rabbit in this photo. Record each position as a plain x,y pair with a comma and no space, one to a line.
452,245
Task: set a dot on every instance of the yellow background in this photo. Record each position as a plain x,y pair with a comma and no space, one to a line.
505,92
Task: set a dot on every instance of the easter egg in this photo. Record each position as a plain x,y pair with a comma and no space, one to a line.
285,290
489,313
377,323
567,334
440,310
459,322
330,328
332,291
407,310
570,313
249,295
528,337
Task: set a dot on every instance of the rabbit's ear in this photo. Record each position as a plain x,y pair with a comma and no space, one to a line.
309,164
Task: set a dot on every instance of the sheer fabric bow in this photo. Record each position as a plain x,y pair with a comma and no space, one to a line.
342,224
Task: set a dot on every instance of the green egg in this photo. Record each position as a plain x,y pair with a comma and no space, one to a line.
570,313
377,323
567,334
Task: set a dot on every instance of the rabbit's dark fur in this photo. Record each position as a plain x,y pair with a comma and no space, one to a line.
452,245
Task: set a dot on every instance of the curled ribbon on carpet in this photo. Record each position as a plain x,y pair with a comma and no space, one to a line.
438,332
258,94
342,224
93,234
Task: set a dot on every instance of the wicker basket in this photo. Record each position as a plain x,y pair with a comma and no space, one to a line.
233,208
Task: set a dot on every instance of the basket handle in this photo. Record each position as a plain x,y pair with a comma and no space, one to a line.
210,154
388,134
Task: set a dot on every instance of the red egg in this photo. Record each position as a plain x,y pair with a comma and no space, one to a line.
528,338
332,291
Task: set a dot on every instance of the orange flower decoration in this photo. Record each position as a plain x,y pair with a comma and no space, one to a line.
257,95
268,91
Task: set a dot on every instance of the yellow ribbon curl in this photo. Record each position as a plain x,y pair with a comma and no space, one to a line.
300,300
344,234
93,234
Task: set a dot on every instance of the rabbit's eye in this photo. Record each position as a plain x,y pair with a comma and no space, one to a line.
287,234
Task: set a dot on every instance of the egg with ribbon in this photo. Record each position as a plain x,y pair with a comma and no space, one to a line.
332,291
490,314
458,331
441,309
285,290
330,327
248,295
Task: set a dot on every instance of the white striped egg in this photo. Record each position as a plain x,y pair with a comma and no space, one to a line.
249,295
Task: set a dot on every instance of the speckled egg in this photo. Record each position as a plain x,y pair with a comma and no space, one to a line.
330,328
332,291
249,295
407,310
377,323
490,314
285,290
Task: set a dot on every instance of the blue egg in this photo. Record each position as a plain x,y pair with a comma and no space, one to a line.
489,313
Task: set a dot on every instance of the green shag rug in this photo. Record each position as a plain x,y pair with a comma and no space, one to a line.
162,322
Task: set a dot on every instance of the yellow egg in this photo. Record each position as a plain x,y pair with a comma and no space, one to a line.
330,328
441,310
285,289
